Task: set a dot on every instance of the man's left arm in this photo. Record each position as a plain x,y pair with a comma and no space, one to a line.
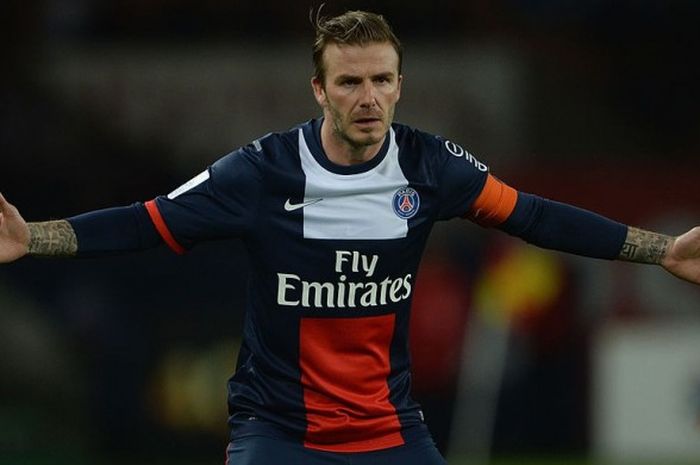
558,226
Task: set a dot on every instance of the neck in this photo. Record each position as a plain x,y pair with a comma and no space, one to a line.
343,152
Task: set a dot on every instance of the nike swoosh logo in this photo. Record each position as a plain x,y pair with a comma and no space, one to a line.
290,207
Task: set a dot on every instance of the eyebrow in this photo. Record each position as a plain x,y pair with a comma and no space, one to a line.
343,77
387,74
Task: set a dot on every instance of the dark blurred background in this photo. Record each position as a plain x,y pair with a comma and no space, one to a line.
106,103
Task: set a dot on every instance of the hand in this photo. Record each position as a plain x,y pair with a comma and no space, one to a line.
14,233
683,257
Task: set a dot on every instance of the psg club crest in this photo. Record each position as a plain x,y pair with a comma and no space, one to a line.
406,202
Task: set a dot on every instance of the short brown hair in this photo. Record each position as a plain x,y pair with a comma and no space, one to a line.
350,28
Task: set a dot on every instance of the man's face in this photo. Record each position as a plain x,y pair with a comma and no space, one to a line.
362,86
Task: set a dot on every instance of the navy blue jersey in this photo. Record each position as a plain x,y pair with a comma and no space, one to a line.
334,253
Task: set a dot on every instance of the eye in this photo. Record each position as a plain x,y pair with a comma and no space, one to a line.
349,82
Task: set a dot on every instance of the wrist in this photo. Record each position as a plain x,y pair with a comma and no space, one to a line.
52,239
642,246
668,260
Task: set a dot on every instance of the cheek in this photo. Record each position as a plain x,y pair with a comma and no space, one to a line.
339,103
391,96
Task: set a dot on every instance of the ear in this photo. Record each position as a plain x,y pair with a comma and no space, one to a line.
319,91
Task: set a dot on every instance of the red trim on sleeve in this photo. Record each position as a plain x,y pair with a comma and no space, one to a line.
495,203
162,228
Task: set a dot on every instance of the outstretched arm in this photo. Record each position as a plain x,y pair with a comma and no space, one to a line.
558,226
110,231
680,255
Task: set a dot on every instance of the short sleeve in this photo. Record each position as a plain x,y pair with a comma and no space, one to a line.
219,203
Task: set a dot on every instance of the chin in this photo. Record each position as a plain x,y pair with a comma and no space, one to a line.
371,137
367,141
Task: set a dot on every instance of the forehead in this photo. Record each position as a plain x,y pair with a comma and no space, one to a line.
372,58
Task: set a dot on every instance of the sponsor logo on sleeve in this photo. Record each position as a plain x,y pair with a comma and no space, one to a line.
459,152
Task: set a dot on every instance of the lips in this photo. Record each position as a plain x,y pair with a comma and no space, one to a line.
367,120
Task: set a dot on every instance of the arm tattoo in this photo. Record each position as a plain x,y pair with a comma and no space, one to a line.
645,246
52,239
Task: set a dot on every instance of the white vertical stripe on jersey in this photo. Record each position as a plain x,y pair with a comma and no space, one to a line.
354,206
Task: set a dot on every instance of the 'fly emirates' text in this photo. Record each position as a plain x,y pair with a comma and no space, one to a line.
293,291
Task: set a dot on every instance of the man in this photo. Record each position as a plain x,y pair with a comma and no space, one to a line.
335,214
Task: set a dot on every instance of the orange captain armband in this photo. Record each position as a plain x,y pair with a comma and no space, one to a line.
495,203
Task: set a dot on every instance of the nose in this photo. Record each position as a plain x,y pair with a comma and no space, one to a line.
368,98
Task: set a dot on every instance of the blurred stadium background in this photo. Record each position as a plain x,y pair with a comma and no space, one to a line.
521,356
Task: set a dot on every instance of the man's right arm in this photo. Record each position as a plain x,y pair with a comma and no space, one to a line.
219,203
98,233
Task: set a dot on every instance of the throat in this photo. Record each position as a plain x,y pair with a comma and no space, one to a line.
348,154
358,156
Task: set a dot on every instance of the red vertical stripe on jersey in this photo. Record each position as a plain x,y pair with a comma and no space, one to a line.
162,228
344,369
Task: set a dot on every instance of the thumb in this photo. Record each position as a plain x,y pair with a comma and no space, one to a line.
5,206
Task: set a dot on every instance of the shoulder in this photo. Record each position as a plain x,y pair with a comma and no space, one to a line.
273,148
416,140
412,138
432,148
277,143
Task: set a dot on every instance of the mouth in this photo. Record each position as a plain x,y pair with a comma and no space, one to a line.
367,121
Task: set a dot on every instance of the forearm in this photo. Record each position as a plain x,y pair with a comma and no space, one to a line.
645,246
114,231
52,239
103,232
558,226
